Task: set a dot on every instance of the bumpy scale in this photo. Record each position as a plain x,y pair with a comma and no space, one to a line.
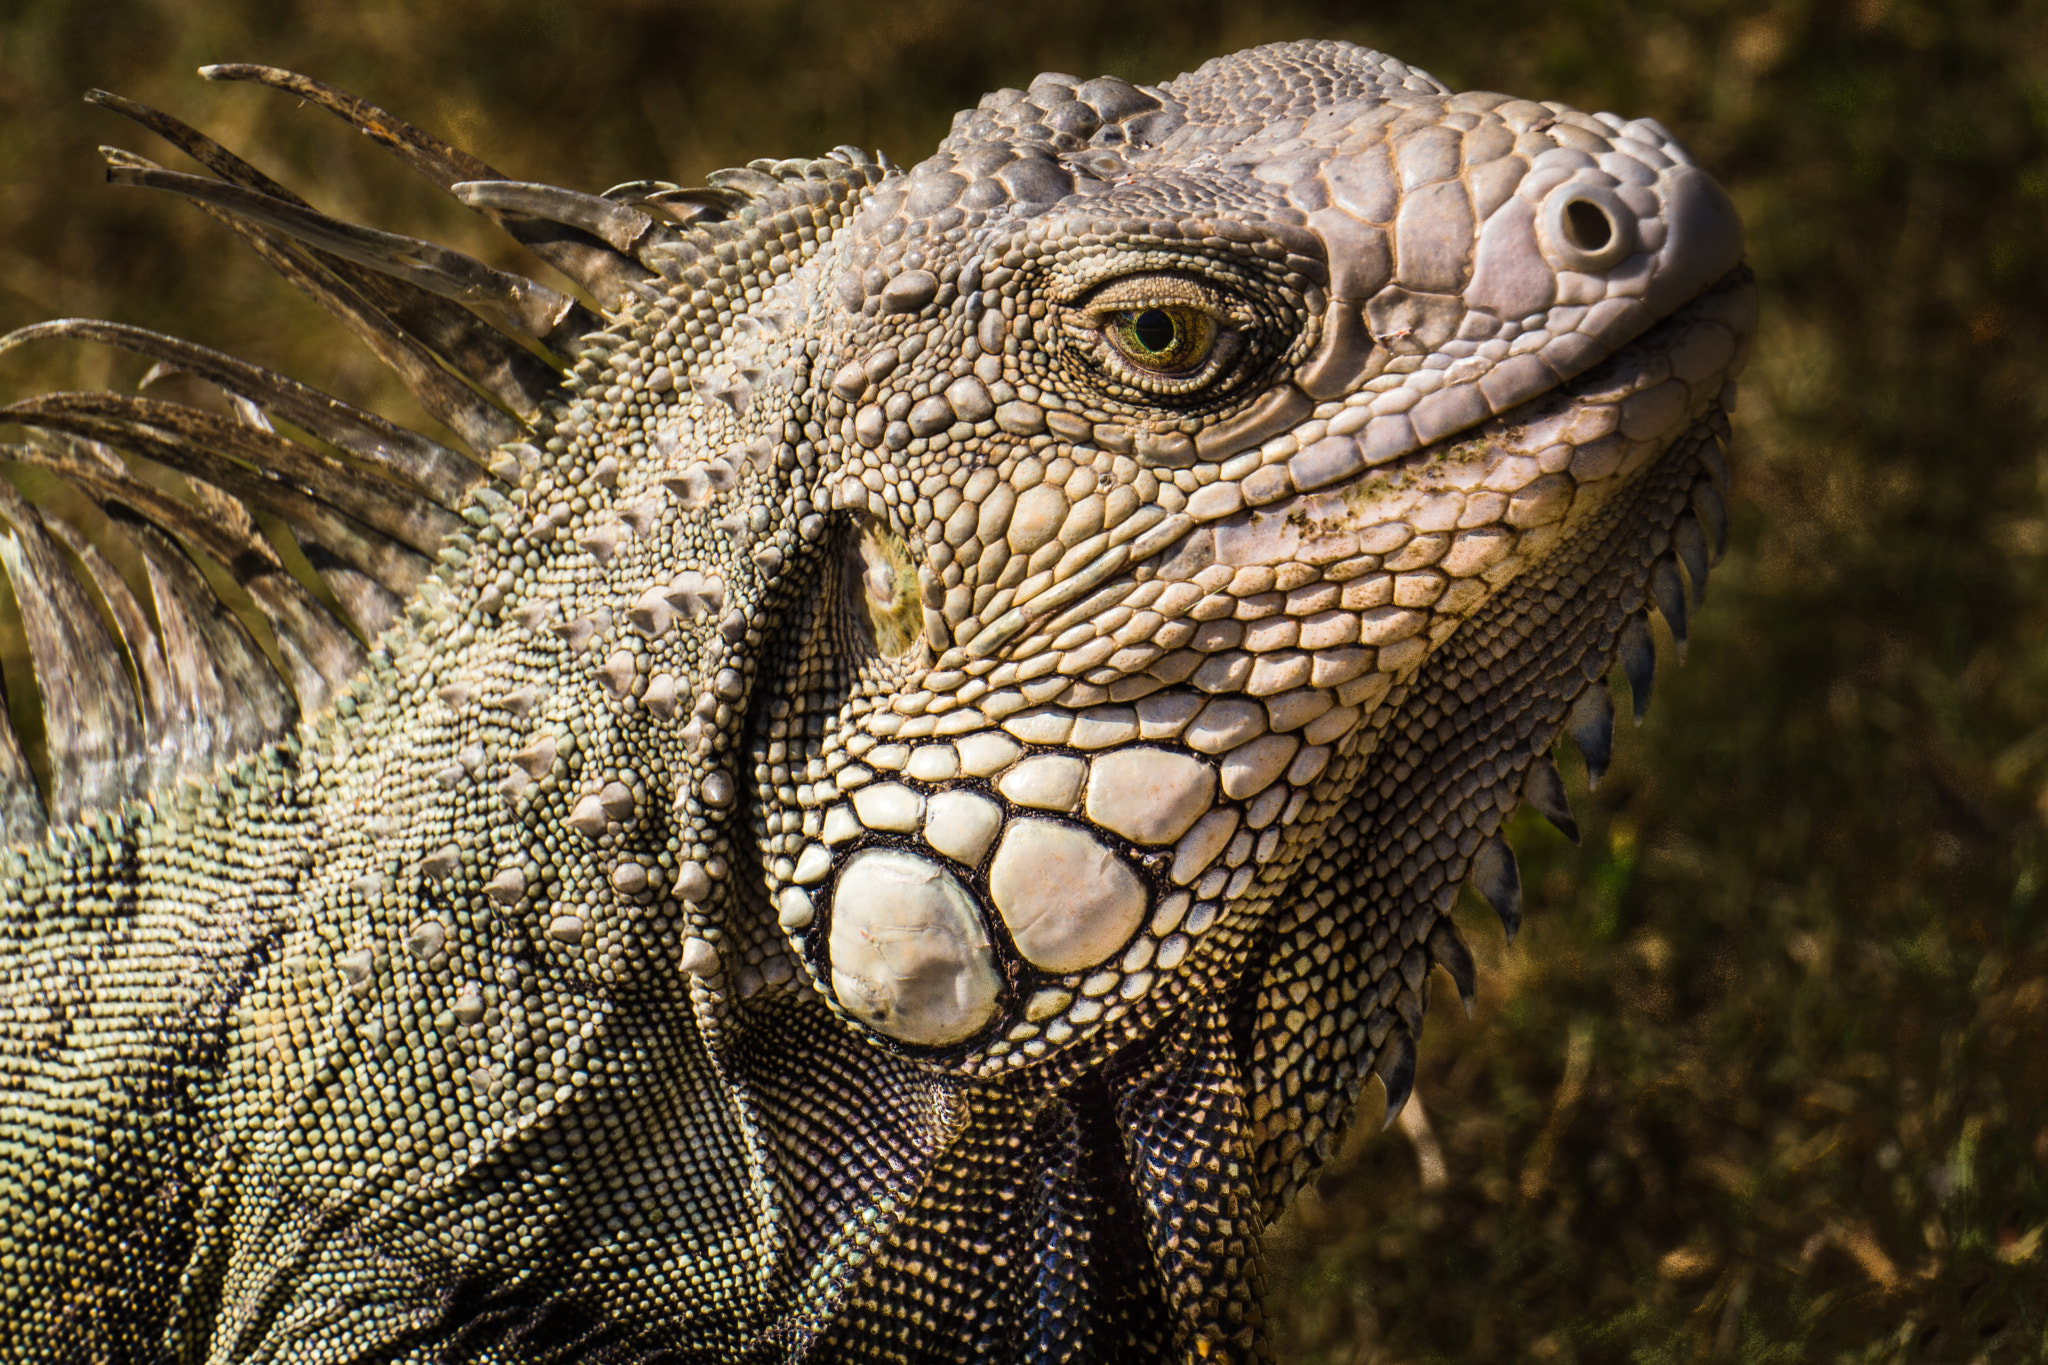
891,807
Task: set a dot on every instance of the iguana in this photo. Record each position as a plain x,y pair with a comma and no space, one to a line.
885,795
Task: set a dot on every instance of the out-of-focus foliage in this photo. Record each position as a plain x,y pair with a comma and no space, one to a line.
1766,1077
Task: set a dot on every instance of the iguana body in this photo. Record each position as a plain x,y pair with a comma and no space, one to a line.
929,774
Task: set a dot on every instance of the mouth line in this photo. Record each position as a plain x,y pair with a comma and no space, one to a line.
1606,374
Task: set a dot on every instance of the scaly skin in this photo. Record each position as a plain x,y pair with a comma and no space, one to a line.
902,829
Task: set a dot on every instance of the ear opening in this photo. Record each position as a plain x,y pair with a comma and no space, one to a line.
882,584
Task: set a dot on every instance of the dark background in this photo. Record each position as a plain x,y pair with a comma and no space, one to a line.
1766,1077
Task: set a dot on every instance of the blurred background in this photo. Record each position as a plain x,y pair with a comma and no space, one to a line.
1766,1076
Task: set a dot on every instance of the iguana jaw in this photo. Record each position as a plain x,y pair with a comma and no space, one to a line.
1073,872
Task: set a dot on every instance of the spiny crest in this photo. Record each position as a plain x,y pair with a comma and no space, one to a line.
186,679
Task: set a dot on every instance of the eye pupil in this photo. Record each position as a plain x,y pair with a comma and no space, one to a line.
1170,340
1154,329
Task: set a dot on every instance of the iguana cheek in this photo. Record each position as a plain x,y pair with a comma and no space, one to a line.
962,825
989,851
1067,901
909,955
908,948
1149,795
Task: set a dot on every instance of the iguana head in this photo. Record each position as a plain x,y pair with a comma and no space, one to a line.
1158,438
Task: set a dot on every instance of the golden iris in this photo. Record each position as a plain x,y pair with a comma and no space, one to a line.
1171,339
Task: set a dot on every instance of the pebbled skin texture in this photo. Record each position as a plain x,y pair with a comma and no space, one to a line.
899,833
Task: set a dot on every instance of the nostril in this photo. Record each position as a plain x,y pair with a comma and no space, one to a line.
1586,226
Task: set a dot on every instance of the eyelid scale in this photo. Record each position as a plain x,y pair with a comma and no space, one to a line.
1136,293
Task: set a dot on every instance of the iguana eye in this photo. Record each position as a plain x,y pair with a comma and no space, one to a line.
1175,338
1169,340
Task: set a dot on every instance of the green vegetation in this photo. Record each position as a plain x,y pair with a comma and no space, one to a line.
1766,1078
